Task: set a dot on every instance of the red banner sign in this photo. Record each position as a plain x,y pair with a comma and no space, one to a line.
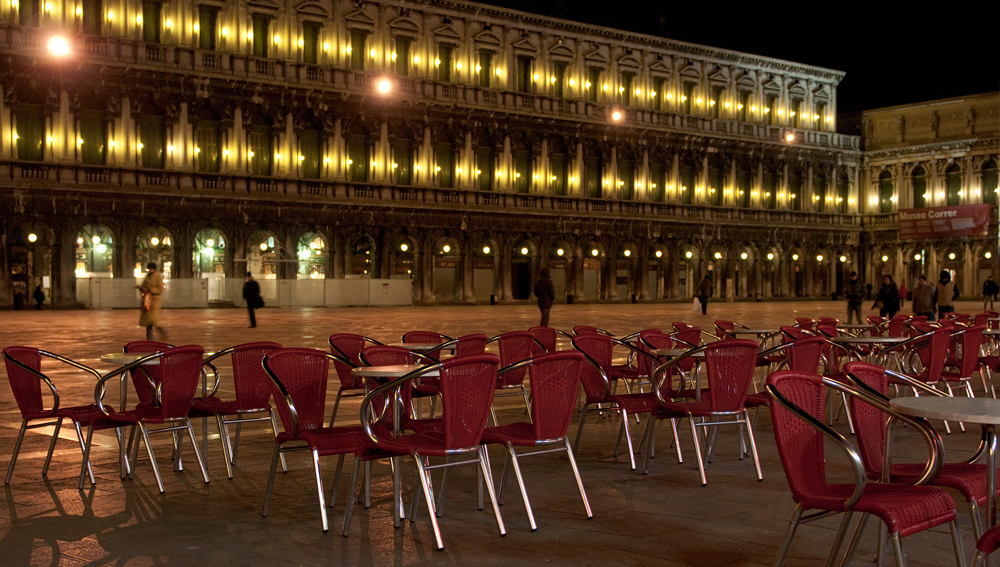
944,222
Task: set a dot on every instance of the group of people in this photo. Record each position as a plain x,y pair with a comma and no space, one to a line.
929,300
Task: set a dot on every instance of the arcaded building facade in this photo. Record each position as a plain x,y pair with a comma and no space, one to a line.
431,151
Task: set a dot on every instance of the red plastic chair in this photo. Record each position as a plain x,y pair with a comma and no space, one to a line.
870,422
348,347
24,373
515,347
802,355
467,386
179,374
145,378
388,355
253,393
298,383
589,330
799,432
427,337
986,545
965,360
554,379
730,367
546,339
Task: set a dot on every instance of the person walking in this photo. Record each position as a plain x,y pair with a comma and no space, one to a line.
152,297
855,292
704,292
545,293
902,294
39,296
947,293
923,298
990,291
887,300
251,295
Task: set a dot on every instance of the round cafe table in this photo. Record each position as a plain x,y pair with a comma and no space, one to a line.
984,411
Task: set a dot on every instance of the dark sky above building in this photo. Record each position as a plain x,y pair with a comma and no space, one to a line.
898,56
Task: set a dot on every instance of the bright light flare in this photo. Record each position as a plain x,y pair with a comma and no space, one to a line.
59,46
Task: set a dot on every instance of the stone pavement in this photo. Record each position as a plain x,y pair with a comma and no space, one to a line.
665,517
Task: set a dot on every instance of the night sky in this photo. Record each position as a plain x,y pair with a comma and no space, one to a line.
912,55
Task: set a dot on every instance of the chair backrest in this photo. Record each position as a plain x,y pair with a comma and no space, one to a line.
688,337
730,366
800,445
349,347
467,386
586,330
514,347
26,386
934,353
722,328
145,377
827,327
869,421
429,337
253,386
386,355
970,343
598,350
790,333
897,325
656,341
180,374
546,337
471,344
555,380
804,354
301,375
805,322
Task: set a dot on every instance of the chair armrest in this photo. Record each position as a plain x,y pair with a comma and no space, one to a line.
659,373
40,376
366,421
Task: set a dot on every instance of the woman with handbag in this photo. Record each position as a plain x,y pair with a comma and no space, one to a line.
251,295
152,296
887,300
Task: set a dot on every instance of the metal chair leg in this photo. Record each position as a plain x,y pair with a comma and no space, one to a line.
52,447
956,539
352,496
789,534
17,449
152,458
520,484
853,546
227,450
197,451
697,450
270,479
753,446
897,548
579,481
274,429
336,480
484,463
83,449
425,485
579,430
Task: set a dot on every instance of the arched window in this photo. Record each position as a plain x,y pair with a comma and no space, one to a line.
820,190
657,180
559,166
259,139
744,181
769,184
154,244
626,178
209,253
522,167
920,197
687,177
715,181
885,192
593,174
152,137
310,149
206,140
953,181
991,187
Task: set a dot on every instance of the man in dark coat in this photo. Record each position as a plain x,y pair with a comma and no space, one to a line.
704,292
546,294
251,295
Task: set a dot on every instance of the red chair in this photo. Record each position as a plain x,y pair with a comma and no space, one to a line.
546,338
388,355
298,383
730,367
467,386
870,422
24,373
425,337
179,373
253,392
348,347
723,327
145,378
588,330
802,355
964,361
905,509
554,379
986,545
515,347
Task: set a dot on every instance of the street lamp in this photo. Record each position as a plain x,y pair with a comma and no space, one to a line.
58,46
